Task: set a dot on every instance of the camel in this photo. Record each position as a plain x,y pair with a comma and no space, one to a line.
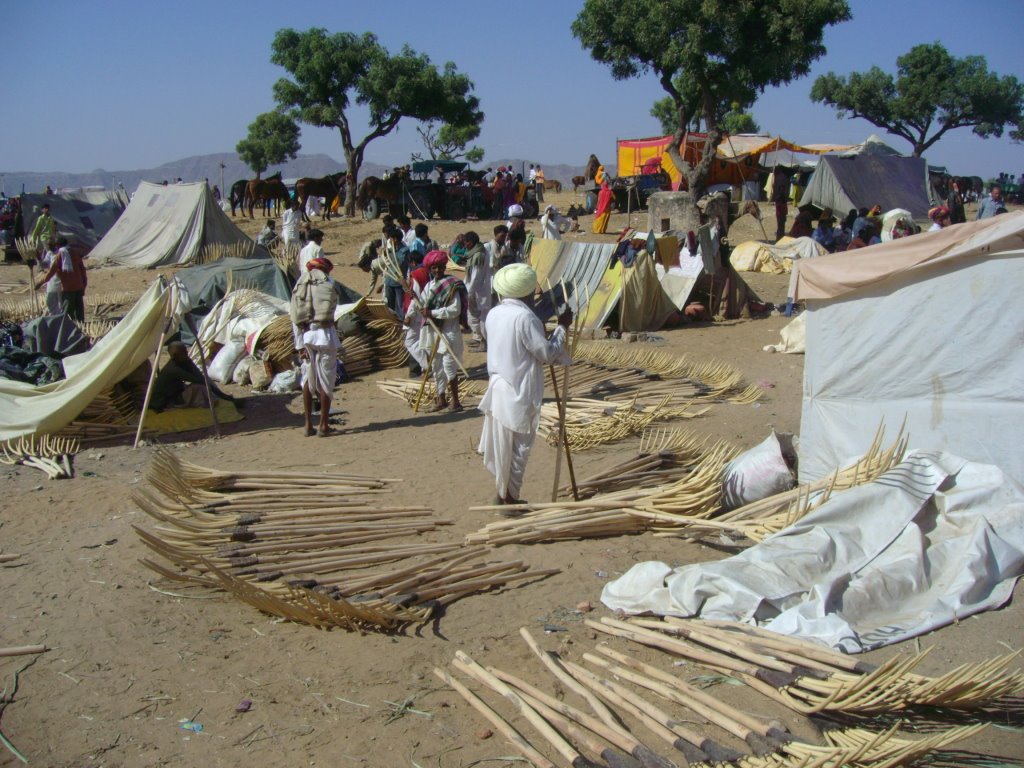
327,187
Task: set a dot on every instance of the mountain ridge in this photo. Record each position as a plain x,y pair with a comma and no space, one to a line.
200,167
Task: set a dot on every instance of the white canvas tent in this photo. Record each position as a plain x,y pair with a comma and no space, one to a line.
924,329
166,225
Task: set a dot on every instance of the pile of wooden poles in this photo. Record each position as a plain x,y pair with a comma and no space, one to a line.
317,548
760,519
52,455
242,249
109,415
614,709
807,677
631,497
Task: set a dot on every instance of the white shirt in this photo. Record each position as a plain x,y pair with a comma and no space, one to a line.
309,251
409,238
553,225
290,224
533,175
517,351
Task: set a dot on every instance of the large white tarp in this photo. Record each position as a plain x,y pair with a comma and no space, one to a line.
755,256
938,347
166,225
28,410
932,541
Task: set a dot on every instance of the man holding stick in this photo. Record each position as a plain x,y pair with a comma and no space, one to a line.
312,308
444,301
517,351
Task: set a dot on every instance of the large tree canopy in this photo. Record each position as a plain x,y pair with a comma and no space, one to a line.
331,71
932,93
273,138
724,51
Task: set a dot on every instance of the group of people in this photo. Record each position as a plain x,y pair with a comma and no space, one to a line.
63,269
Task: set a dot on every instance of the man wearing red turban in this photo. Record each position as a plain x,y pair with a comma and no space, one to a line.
444,302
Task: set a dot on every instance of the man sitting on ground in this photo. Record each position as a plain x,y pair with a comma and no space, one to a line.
180,383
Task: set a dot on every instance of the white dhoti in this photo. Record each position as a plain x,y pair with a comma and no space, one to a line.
505,453
319,371
53,297
412,341
479,306
446,360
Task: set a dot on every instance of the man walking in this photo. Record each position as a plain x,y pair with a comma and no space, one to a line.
517,351
990,206
444,302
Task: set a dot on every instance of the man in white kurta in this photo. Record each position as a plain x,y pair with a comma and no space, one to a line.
290,223
478,285
517,351
312,250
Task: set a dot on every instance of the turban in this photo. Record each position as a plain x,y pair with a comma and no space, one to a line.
322,263
938,212
875,210
515,281
435,257
515,210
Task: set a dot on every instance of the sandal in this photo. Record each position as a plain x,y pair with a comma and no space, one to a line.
327,432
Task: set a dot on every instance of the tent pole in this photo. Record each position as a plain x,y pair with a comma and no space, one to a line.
152,381
206,378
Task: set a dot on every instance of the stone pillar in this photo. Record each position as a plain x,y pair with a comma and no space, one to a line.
676,210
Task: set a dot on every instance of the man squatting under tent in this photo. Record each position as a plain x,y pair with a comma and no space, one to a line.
517,351
180,383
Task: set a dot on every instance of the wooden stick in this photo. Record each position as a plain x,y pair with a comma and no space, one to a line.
675,694
22,650
563,747
619,737
426,374
206,378
497,721
152,381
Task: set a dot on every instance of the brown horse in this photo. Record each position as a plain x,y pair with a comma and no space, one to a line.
371,188
553,185
268,190
591,170
237,195
578,181
327,187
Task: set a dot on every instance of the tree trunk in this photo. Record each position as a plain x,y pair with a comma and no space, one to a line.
351,182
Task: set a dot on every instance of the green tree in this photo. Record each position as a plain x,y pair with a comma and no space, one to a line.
732,120
273,138
933,93
328,72
724,51
448,142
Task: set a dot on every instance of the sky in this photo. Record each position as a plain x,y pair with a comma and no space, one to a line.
129,85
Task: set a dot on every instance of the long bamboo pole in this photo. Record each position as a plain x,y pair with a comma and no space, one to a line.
152,380
206,377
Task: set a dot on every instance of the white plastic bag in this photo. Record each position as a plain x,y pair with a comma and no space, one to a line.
285,381
241,373
756,474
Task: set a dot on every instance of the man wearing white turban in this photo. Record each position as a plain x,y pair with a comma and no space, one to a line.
517,351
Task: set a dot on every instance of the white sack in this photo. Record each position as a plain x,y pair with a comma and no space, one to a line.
794,337
223,364
932,541
756,474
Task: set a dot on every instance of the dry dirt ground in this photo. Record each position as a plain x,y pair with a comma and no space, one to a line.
129,663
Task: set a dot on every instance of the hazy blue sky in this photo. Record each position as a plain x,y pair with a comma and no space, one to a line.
124,85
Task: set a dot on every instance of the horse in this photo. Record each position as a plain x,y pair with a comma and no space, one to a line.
268,190
327,187
372,188
591,170
553,185
237,195
578,181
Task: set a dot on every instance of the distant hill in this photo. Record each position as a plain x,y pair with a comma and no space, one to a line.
201,167
194,168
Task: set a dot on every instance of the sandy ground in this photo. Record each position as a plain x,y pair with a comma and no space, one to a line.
128,663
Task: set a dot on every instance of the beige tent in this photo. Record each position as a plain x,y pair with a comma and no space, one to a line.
166,225
29,410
